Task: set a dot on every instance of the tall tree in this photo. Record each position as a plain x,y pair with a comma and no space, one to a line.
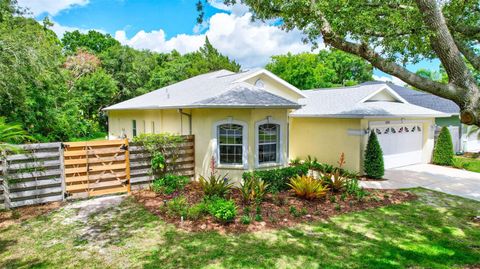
92,40
391,33
322,70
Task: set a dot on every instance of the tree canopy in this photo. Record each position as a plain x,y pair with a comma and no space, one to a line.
323,70
392,33
57,88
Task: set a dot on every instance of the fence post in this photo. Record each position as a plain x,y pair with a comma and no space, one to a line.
6,192
127,165
62,169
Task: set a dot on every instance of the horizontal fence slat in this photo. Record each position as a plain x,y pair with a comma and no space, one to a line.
141,179
35,201
36,165
72,180
38,146
95,143
35,174
33,184
108,191
34,155
36,192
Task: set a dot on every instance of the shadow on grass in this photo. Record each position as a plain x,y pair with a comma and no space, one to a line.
399,236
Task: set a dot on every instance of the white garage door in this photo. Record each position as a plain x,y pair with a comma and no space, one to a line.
401,143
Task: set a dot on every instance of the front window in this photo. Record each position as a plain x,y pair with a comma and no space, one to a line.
268,143
230,143
134,128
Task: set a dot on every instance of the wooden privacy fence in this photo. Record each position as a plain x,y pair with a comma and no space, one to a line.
51,172
96,167
35,176
140,172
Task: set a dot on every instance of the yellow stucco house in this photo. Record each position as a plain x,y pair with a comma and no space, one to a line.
255,120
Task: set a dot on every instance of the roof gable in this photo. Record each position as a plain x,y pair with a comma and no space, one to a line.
281,85
384,94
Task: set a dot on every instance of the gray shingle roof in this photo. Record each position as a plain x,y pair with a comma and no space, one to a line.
349,102
247,96
423,99
194,91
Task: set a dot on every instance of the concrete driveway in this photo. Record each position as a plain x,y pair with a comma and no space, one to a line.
439,178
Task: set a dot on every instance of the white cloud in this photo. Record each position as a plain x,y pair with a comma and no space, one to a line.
249,43
391,79
51,7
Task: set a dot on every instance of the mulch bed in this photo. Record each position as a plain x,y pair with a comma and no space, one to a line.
17,215
275,210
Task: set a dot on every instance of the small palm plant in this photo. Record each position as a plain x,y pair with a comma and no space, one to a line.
307,187
11,133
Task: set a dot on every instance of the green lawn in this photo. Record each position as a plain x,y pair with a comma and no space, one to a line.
435,231
470,164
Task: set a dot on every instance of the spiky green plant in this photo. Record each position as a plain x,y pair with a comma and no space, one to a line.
253,190
214,185
307,187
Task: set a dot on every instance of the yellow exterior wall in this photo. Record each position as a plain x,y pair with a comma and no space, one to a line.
326,139
164,121
203,121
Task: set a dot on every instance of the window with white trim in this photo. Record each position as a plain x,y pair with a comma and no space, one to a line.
268,143
230,143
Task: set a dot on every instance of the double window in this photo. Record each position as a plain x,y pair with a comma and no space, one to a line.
232,143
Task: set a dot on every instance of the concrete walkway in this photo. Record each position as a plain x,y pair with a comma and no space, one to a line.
439,178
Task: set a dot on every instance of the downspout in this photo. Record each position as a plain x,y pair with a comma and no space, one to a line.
288,137
189,120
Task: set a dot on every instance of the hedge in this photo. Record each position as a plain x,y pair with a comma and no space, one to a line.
277,179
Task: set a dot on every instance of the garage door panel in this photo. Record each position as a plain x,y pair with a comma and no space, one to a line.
401,144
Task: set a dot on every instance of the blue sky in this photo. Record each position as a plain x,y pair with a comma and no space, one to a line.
175,17
163,25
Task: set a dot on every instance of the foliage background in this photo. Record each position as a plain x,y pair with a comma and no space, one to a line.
56,88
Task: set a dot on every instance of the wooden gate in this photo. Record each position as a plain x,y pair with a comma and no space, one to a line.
96,167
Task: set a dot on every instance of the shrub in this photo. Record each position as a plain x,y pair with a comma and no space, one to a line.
196,211
335,179
177,206
373,164
253,190
307,187
443,152
222,210
277,179
169,183
245,220
352,186
215,185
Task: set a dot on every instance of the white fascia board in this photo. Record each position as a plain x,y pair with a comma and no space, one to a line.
369,117
389,90
274,77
